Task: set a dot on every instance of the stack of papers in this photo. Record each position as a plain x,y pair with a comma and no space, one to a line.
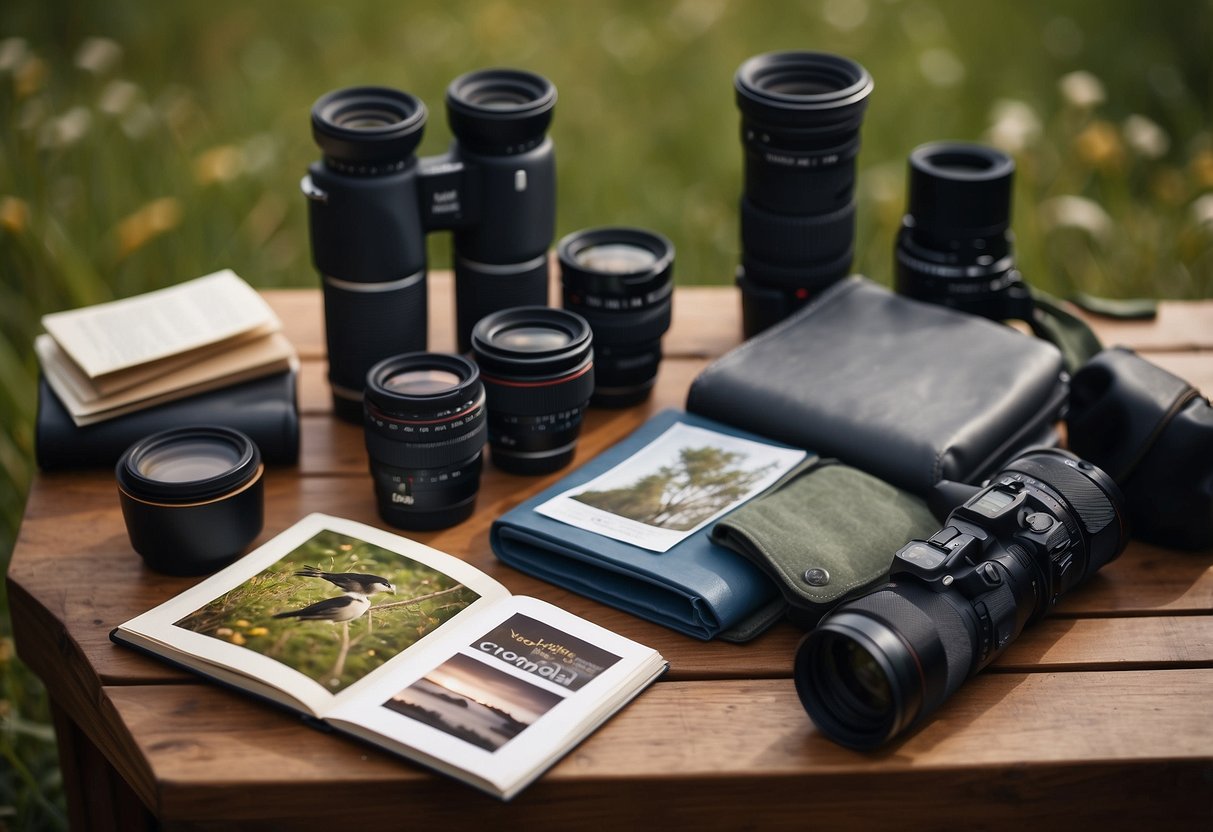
115,358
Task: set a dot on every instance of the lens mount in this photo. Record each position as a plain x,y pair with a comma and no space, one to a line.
368,129
500,110
807,91
188,465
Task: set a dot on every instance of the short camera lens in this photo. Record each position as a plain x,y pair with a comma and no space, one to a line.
538,369
621,281
424,425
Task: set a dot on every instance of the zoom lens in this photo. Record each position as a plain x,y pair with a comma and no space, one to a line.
621,281
192,497
538,369
955,244
800,119
425,427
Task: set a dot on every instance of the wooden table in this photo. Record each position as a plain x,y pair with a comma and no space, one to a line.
1102,713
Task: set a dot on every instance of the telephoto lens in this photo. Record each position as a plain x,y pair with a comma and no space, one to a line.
192,497
538,369
800,119
425,429
955,244
880,665
621,281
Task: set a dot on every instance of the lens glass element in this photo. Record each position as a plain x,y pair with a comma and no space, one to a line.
188,460
861,677
421,382
532,338
615,258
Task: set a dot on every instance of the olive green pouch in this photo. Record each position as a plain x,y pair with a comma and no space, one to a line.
825,535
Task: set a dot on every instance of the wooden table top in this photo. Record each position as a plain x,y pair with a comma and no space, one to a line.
1104,711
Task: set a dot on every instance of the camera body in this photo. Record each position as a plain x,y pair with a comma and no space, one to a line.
881,664
372,201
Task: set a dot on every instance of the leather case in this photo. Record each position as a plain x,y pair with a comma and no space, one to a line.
1153,433
265,409
697,587
910,392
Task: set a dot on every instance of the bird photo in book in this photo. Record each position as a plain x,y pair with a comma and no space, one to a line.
342,609
350,581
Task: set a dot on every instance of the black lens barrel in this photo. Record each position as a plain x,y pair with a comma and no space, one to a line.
425,440
800,119
537,364
621,281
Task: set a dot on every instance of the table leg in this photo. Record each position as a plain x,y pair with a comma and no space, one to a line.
98,799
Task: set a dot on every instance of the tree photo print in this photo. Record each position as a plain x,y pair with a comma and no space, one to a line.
672,487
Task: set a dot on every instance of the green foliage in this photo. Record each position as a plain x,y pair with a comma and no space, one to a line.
317,649
682,495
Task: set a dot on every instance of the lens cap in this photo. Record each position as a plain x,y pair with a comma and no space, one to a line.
959,190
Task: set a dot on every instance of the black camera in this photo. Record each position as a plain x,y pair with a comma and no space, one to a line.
372,201
880,665
955,245
800,119
425,430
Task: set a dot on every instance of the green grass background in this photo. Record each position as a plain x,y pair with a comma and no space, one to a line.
174,146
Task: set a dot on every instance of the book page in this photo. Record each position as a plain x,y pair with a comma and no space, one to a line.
243,362
315,612
114,336
523,687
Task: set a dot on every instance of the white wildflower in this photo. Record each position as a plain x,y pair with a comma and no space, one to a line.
941,67
98,55
845,15
13,53
1014,125
1202,210
1077,212
1081,89
139,121
67,129
117,97
691,18
1146,137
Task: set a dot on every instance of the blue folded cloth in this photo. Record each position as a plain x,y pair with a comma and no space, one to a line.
697,587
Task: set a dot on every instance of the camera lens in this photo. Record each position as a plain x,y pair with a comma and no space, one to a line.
500,110
800,119
425,430
621,281
955,247
192,497
367,130
538,369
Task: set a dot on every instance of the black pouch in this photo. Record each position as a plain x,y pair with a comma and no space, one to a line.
1153,433
910,392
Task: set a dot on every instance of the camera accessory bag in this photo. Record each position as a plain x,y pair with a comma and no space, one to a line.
1153,433
910,392
826,535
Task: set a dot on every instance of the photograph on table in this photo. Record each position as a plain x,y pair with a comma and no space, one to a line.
334,609
675,485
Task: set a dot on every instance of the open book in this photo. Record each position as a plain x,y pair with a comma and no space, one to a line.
401,645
